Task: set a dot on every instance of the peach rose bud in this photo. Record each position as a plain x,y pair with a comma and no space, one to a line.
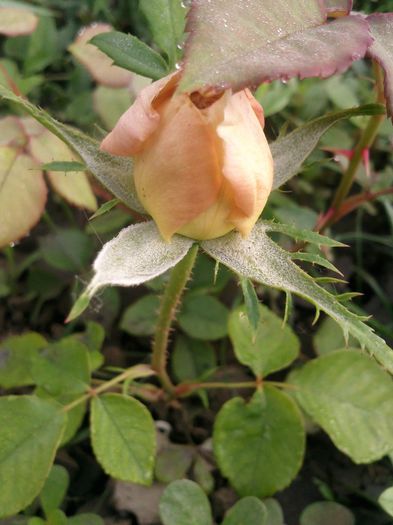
202,167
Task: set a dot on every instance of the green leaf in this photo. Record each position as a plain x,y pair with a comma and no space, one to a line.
62,367
129,52
314,258
350,397
67,250
173,463
85,519
247,511
262,260
56,517
55,489
329,337
192,359
271,347
184,503
275,514
30,431
115,173
43,46
326,513
386,500
136,255
141,317
237,44
166,19
203,317
289,152
123,437
251,302
63,166
104,208
16,354
305,235
264,436
202,474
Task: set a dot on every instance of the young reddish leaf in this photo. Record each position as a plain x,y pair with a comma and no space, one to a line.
95,61
381,25
337,8
235,44
15,21
22,194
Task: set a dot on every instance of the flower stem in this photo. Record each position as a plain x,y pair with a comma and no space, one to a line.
169,302
366,141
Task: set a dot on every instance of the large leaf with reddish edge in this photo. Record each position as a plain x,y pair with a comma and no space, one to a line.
381,25
15,21
115,173
338,7
289,152
245,43
262,260
22,194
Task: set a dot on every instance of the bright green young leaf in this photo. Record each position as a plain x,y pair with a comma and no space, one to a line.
259,446
56,517
192,359
262,260
166,19
16,354
326,513
15,21
239,44
172,463
289,152
251,302
386,500
55,489
141,317
203,317
123,437
247,511
381,50
30,431
22,194
115,173
99,65
271,347
62,368
130,53
356,413
184,503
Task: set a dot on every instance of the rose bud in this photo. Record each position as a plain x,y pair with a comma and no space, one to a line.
203,166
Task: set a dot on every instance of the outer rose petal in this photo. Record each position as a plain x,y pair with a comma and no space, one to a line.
177,176
137,124
248,164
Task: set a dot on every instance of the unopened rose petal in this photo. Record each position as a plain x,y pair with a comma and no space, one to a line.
248,165
177,175
139,121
